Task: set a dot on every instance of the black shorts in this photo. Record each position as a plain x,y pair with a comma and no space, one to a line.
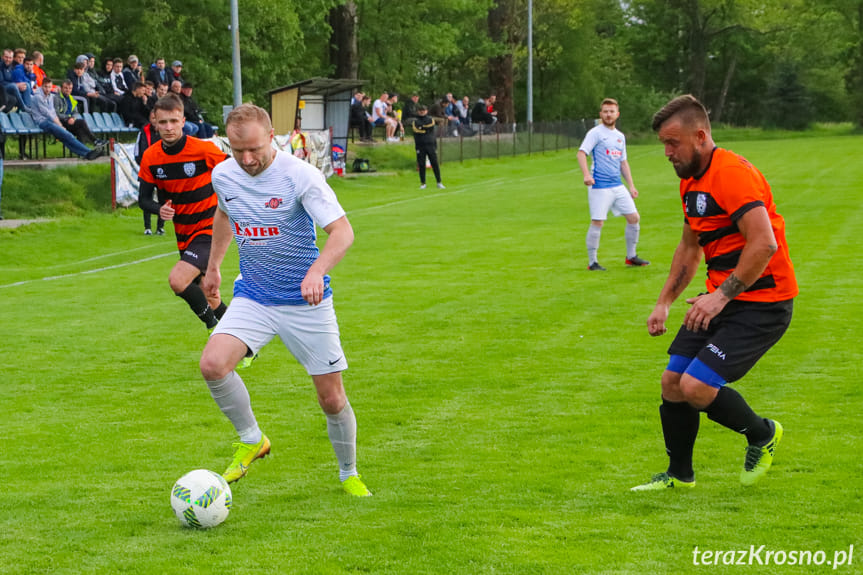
197,252
735,339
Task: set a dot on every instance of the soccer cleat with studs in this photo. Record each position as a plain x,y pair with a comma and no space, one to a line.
356,487
759,458
244,455
663,481
636,261
595,267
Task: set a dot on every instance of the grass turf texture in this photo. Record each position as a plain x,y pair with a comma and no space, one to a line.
506,397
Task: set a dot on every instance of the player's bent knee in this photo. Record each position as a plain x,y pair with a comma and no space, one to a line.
696,392
671,386
633,218
214,365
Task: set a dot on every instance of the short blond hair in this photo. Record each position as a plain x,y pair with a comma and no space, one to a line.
610,102
245,113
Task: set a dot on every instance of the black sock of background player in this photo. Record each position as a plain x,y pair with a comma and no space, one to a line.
198,302
731,410
220,311
679,427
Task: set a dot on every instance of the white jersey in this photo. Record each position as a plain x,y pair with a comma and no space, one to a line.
273,217
608,148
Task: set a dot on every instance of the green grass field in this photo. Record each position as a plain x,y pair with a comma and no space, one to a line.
506,397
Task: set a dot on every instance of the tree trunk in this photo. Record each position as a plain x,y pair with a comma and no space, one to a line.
717,112
500,72
344,56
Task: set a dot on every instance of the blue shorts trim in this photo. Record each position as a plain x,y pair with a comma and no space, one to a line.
678,363
702,372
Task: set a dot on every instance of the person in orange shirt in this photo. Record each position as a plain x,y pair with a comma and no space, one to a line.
179,170
729,215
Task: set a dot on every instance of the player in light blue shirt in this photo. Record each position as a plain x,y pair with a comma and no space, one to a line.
605,190
270,203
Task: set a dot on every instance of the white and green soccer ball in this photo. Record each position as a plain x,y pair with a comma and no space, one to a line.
201,498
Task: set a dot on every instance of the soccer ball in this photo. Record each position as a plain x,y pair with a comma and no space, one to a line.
201,498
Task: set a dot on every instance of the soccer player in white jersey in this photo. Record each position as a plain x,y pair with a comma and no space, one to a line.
270,201
605,190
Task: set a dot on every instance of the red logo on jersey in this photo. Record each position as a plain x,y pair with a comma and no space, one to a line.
613,153
273,203
256,232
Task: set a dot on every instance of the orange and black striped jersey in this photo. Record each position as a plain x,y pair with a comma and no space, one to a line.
182,174
714,202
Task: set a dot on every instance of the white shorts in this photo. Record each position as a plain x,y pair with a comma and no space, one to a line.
616,199
311,333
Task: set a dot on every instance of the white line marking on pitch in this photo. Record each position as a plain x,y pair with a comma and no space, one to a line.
67,264
106,268
486,184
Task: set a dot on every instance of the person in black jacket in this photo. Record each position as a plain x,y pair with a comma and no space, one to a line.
359,118
424,140
133,106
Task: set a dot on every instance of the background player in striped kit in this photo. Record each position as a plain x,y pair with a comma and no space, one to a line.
270,202
605,190
179,168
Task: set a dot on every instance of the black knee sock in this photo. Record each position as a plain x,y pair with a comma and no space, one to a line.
679,427
220,311
198,302
731,410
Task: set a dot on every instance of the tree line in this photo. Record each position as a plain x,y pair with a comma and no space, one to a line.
771,63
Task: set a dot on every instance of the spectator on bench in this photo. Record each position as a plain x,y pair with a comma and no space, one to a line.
193,113
463,106
66,106
380,118
83,86
25,79
118,82
157,73
480,113
45,116
38,62
14,91
133,106
106,86
175,73
132,73
359,119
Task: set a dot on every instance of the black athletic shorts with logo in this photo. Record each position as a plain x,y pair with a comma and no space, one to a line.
734,341
197,252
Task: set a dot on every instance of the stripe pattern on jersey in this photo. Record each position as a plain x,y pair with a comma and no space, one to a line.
273,216
183,175
714,203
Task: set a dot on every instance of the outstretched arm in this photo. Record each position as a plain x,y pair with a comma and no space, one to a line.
340,236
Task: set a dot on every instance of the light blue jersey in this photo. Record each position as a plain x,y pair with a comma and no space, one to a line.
273,217
607,146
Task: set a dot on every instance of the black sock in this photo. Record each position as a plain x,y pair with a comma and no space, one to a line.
731,410
220,311
198,302
679,427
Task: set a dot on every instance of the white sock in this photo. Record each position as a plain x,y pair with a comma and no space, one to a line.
342,429
593,233
631,235
232,397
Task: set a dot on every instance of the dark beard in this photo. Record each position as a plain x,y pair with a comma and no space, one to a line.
690,169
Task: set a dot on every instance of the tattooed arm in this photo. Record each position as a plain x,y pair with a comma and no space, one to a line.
687,256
